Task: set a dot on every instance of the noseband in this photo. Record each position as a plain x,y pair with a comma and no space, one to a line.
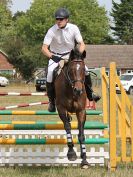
72,82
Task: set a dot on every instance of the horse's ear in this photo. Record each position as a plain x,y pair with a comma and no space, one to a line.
83,54
72,54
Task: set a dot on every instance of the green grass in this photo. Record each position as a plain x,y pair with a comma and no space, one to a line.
123,170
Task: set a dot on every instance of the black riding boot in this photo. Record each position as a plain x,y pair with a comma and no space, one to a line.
88,87
51,96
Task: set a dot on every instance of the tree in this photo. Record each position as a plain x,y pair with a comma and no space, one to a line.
123,20
17,15
24,58
29,29
6,28
90,18
108,40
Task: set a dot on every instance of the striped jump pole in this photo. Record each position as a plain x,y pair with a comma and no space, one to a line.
23,105
44,112
93,107
88,105
41,125
22,94
51,141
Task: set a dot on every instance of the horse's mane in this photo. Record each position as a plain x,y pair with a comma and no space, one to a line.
76,54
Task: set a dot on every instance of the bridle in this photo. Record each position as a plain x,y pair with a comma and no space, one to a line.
72,82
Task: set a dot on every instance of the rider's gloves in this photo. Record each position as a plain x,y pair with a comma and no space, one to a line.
55,58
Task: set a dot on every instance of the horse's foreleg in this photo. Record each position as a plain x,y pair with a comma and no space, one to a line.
81,121
71,153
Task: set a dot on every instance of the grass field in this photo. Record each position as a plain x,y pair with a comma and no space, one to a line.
122,170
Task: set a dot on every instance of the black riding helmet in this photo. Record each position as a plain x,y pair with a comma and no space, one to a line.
62,13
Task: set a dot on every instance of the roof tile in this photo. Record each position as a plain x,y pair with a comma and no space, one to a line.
102,55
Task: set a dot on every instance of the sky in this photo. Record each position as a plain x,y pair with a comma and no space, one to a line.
23,5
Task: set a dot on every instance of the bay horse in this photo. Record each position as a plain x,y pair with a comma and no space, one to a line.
71,97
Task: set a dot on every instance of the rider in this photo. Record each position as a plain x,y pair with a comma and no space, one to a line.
58,42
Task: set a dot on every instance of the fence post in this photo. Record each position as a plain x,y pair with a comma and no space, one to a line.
112,115
132,133
123,124
104,96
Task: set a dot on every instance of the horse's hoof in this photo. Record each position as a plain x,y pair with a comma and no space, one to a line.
51,107
84,164
71,155
69,117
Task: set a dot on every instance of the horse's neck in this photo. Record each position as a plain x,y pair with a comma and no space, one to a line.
68,87
64,73
63,76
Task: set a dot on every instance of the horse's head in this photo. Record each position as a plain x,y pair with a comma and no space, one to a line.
76,71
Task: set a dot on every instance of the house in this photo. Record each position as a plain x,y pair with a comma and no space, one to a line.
101,55
97,56
5,66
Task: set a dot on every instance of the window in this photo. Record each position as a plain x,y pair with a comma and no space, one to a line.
10,72
126,77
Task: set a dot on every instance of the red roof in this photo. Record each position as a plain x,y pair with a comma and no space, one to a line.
4,64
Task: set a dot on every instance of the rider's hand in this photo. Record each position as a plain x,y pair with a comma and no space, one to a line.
55,58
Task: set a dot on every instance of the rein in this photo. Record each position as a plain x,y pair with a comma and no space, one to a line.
68,75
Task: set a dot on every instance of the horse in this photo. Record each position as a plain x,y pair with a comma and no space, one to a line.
71,97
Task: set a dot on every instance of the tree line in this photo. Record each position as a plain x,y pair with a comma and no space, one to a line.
22,33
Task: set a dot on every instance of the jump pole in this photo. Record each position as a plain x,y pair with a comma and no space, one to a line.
23,105
22,94
88,106
52,141
41,125
40,112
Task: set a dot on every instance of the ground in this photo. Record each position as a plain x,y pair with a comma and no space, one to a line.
122,170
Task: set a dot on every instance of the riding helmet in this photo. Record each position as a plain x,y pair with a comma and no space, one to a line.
62,13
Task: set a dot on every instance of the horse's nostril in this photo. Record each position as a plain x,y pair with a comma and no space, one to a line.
77,91
74,89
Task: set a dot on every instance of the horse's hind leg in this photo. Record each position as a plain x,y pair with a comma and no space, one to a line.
69,117
71,153
81,121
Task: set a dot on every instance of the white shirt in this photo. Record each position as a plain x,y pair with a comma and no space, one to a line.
62,40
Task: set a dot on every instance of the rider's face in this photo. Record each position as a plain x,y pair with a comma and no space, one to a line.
61,22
